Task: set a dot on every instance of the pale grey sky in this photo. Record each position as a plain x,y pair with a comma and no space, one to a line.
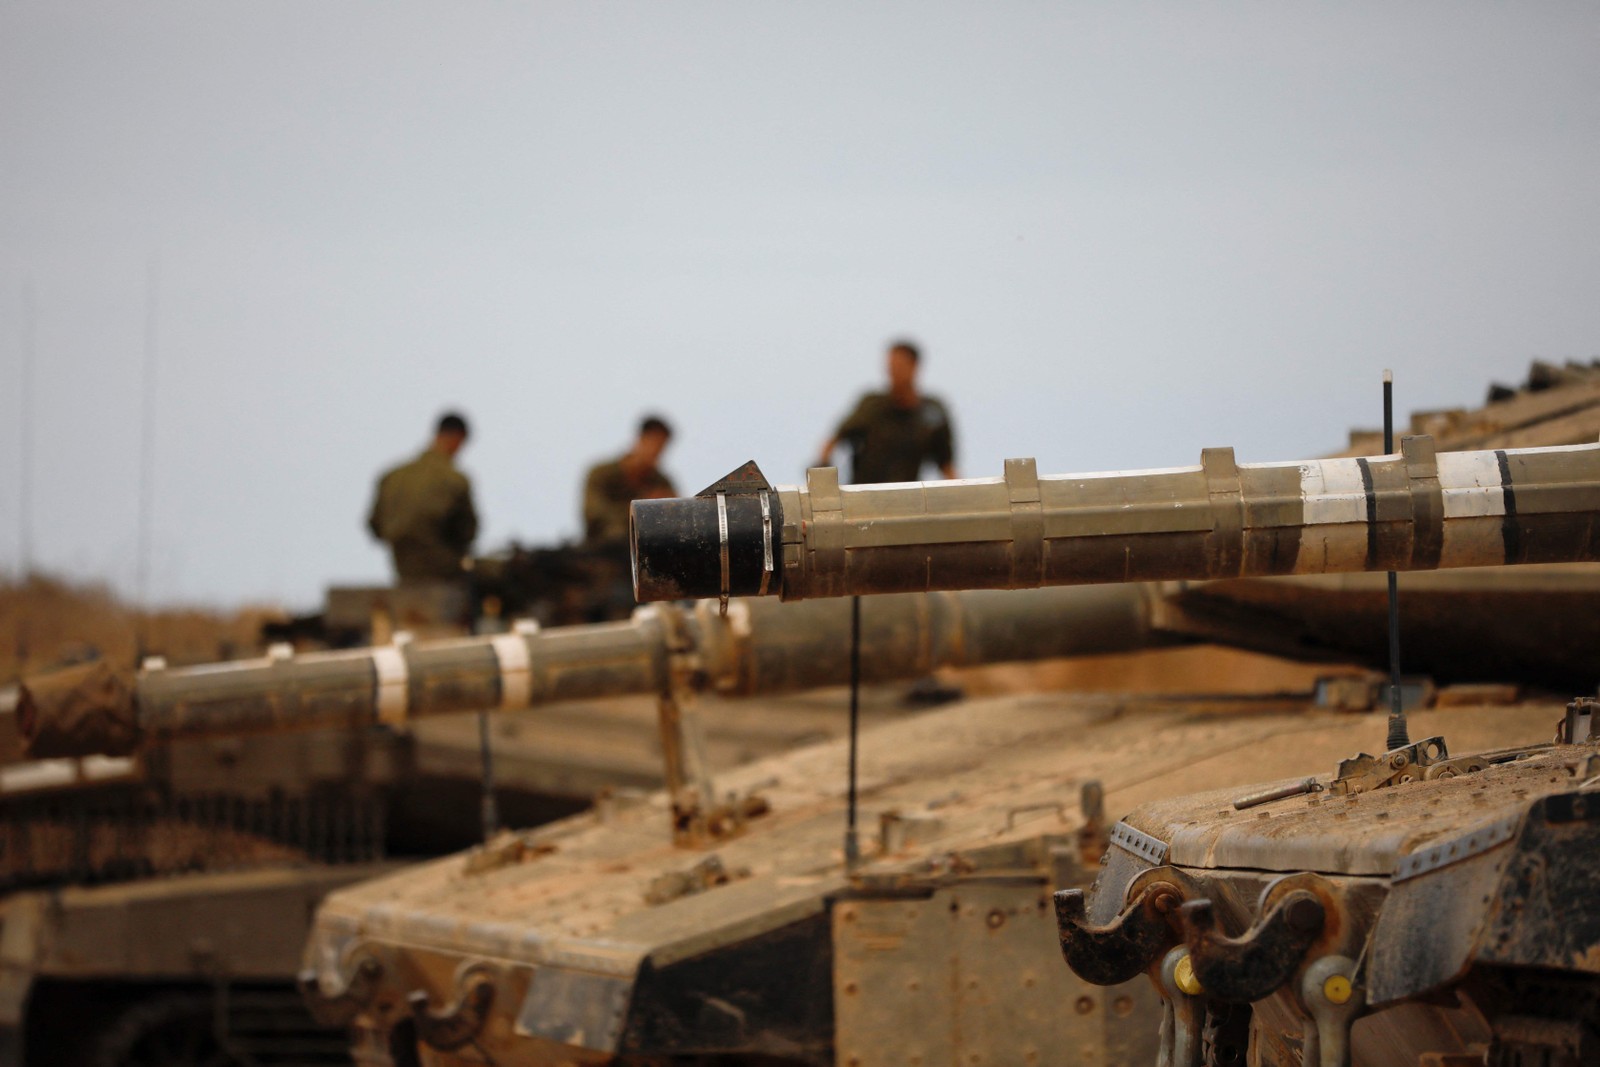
1122,232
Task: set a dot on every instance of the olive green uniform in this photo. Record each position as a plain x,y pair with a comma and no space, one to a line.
423,509
607,492
890,443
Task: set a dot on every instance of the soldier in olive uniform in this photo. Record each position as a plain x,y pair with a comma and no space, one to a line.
423,510
891,435
607,491
611,487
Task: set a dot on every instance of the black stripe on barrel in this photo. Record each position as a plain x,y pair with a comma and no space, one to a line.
677,551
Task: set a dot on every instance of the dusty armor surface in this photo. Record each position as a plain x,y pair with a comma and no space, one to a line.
1415,907
598,939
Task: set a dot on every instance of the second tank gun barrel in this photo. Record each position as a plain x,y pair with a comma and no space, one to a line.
758,647
1413,510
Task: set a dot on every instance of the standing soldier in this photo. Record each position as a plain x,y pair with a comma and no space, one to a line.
891,435
611,487
423,511
607,491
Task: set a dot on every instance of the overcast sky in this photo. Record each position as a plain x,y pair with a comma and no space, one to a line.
1122,233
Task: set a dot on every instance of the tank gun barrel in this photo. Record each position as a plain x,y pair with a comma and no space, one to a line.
1414,510
758,647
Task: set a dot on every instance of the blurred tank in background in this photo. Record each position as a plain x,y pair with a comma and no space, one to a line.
167,834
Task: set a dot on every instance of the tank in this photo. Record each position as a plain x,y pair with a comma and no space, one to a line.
951,813
605,939
167,833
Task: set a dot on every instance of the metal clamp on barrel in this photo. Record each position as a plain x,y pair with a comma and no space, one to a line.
672,541
722,540
767,567
725,587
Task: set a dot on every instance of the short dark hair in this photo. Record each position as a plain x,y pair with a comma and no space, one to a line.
452,422
909,348
654,424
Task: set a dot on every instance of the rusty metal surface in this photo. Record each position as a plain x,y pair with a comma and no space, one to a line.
1479,885
1356,834
571,907
968,976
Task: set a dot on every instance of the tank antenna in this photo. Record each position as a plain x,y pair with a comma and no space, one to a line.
141,580
25,461
1399,737
852,841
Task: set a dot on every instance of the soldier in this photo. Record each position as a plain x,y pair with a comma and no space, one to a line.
607,492
891,435
423,510
611,487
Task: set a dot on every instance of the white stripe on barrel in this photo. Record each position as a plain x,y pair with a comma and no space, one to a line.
516,670
1470,482
1334,509
394,689
1474,509
1333,492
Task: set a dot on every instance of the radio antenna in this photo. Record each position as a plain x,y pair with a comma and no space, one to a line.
1399,736
141,579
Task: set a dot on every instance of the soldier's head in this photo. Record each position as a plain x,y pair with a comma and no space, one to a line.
903,361
451,433
654,433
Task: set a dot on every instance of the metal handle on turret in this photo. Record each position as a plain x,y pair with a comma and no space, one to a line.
1410,511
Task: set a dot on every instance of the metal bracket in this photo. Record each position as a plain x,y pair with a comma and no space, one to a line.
463,1020
1183,1011
1408,763
1141,844
337,1003
1125,947
1462,847
1246,969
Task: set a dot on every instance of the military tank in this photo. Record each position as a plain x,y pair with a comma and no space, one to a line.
602,939
167,834
901,849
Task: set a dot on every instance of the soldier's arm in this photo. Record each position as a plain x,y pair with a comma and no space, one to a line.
854,425
469,517
375,515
